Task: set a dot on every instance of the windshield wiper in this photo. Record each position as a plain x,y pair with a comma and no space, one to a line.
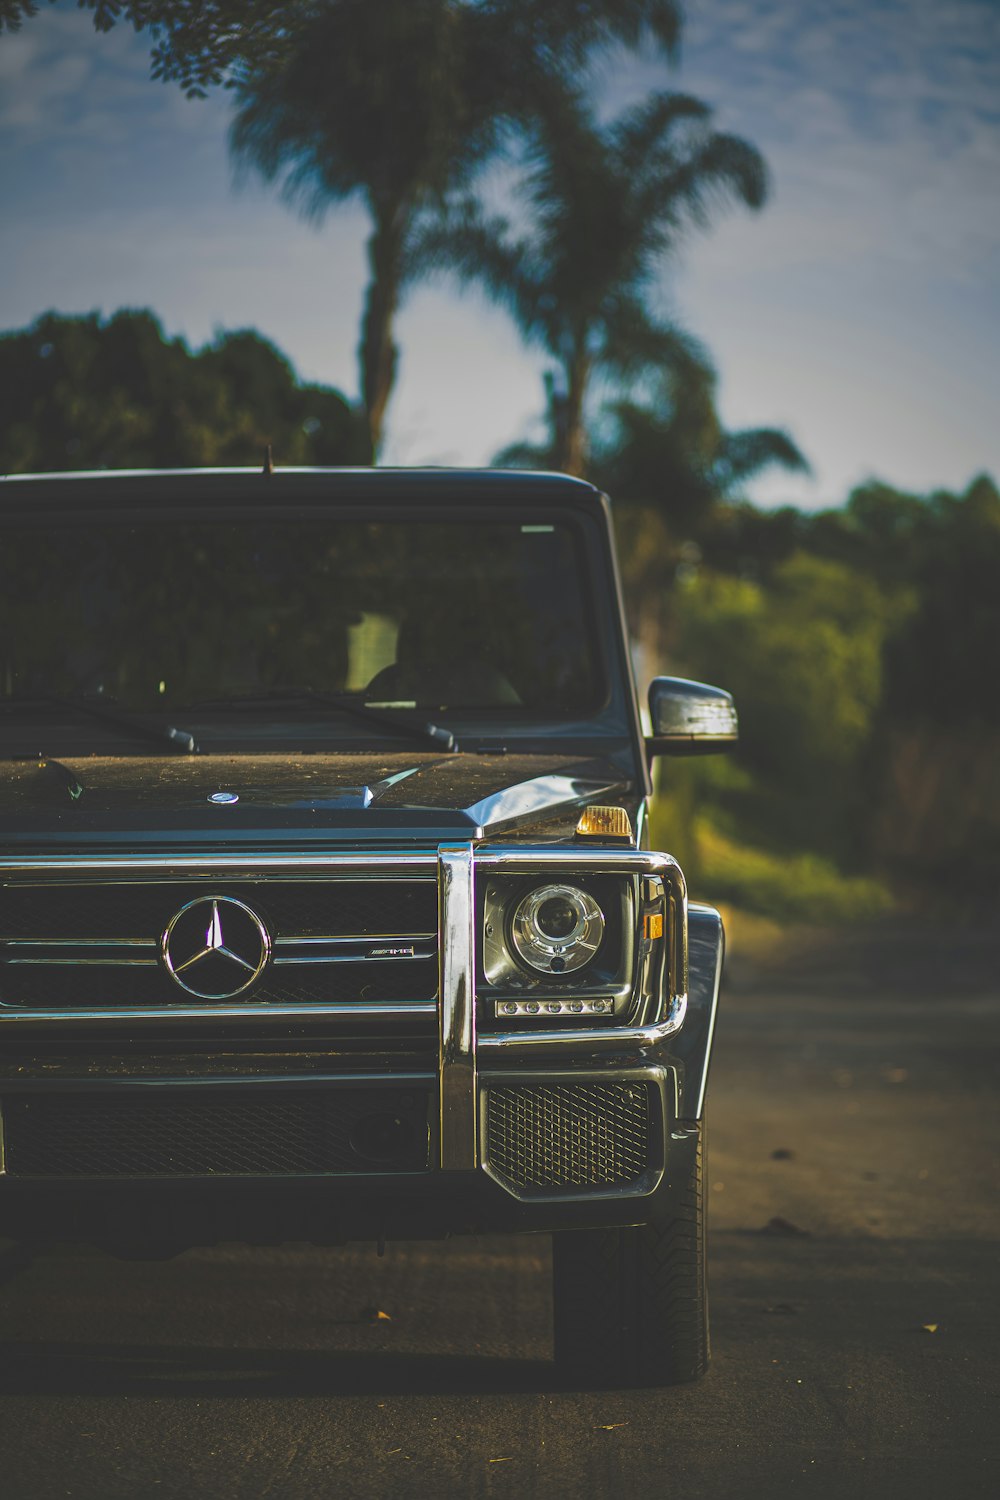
179,739
423,730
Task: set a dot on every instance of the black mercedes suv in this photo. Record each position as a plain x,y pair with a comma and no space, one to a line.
327,909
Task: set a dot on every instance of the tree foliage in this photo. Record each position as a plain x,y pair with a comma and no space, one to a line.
861,644
604,206
941,668
203,43
943,547
84,392
804,659
196,43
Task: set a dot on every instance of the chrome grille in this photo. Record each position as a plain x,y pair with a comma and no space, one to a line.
547,1138
197,1133
356,939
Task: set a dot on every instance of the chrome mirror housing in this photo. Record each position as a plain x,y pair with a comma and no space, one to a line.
690,718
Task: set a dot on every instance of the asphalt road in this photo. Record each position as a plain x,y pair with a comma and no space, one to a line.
855,1147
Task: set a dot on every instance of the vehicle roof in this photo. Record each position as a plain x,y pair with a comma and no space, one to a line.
106,489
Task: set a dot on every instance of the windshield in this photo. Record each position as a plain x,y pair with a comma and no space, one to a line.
162,615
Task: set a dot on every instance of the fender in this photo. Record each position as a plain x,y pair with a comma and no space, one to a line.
692,1047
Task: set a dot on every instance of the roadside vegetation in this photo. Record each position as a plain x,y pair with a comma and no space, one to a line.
861,642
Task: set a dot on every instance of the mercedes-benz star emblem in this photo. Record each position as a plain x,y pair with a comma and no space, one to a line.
215,947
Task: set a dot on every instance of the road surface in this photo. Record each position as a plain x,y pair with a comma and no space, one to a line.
854,1148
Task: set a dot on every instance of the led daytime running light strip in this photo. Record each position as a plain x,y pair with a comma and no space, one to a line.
545,1009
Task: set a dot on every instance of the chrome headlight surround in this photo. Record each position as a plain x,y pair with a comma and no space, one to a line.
639,976
557,929
516,974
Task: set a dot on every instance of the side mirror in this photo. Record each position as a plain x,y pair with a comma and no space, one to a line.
690,718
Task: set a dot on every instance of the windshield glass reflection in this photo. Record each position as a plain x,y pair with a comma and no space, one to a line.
425,614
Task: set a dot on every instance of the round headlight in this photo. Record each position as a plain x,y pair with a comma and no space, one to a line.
557,928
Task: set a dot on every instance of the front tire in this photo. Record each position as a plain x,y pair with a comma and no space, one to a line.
631,1305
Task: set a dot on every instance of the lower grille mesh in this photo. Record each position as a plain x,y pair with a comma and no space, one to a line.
565,1136
195,1134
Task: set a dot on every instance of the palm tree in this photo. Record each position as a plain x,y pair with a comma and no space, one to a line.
671,453
399,103
605,207
374,101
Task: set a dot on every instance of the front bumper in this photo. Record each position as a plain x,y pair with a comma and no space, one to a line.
159,1218
516,1131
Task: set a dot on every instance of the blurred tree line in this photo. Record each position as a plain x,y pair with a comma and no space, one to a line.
861,644
93,393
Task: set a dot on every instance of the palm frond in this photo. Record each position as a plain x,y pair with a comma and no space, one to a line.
743,454
718,169
478,248
646,128
566,35
634,343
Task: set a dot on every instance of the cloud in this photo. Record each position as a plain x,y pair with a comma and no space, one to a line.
59,78
885,69
36,87
880,120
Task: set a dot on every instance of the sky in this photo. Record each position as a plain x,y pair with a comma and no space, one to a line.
859,310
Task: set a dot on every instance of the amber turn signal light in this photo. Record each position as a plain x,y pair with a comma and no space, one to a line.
604,823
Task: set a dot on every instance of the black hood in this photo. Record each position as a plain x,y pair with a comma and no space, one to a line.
222,800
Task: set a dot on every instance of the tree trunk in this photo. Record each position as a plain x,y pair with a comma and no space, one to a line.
571,437
377,352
